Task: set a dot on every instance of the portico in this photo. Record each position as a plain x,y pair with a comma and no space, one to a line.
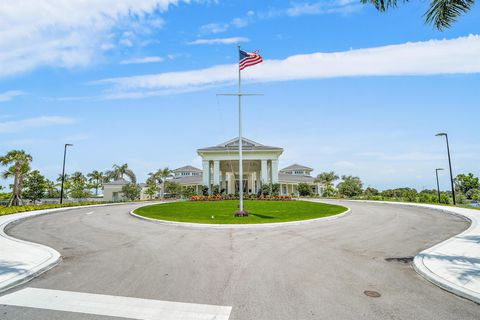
220,166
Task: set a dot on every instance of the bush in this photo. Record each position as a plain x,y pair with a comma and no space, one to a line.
205,190
131,191
188,192
304,190
17,209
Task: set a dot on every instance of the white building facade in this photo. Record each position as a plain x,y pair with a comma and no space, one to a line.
260,166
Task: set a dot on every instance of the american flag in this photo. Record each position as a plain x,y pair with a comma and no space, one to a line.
248,59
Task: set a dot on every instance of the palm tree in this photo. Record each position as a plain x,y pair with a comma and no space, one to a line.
20,166
95,178
66,184
159,177
118,171
77,178
441,13
327,179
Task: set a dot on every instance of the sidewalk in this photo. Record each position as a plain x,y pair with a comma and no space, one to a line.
454,264
22,260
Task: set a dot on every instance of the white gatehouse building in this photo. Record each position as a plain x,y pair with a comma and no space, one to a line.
260,166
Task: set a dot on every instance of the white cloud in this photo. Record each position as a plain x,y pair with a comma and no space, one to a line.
142,60
220,40
9,95
434,57
323,7
29,123
296,9
67,33
214,28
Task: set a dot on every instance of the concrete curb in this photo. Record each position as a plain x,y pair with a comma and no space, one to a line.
420,261
239,226
46,257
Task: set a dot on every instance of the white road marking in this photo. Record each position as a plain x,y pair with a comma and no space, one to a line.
115,306
90,212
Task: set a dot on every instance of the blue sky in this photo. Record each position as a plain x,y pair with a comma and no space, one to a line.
346,88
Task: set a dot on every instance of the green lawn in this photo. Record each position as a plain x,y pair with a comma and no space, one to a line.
222,211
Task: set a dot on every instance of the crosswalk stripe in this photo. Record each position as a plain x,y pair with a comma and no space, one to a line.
115,306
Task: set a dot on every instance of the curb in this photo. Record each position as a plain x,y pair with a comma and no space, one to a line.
53,256
238,226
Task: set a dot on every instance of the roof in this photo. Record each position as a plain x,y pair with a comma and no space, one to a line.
117,182
284,177
232,145
297,167
188,180
187,169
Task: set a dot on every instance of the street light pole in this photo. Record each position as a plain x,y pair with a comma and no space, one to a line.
63,170
449,165
438,185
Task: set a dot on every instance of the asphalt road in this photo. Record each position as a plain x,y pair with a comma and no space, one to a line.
314,271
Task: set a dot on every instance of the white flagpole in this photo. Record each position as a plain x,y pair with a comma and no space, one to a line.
240,144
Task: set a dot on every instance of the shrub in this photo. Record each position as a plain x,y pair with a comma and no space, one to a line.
304,190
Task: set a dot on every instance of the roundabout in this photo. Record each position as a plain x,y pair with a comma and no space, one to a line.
221,212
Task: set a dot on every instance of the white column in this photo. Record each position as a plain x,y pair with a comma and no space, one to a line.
274,171
216,172
264,172
206,173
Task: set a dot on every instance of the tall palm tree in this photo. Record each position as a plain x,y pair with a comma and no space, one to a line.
441,13
77,177
118,171
159,177
20,166
327,179
95,178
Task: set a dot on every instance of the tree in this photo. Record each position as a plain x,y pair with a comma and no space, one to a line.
163,174
95,179
66,184
151,189
350,186
131,191
35,186
78,184
441,13
465,183
19,162
173,188
327,179
304,190
473,194
371,192
119,171
51,189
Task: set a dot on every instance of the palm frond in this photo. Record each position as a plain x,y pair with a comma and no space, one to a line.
382,5
443,13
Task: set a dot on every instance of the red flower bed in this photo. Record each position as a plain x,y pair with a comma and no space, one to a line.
230,197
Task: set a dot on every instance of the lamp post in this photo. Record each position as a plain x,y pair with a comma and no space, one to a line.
63,170
449,164
438,185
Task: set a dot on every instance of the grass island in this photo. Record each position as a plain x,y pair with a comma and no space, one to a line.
221,212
